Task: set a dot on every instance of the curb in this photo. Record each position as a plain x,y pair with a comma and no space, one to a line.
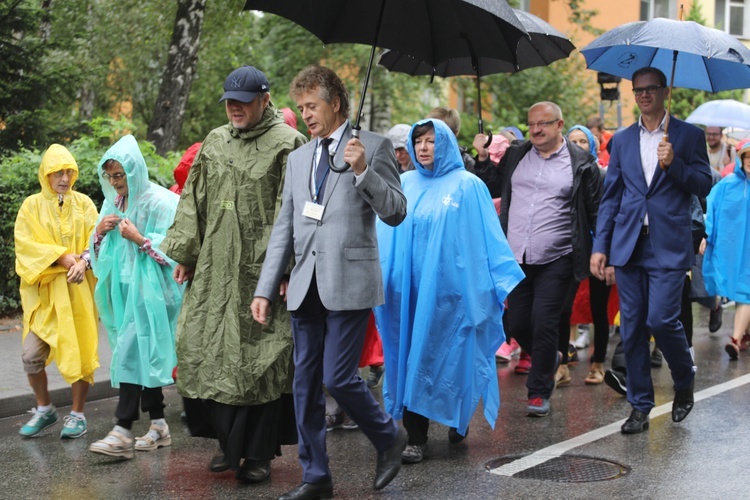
18,405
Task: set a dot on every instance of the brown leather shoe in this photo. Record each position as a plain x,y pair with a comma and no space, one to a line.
596,374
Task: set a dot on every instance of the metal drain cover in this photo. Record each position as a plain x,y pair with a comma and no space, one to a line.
565,469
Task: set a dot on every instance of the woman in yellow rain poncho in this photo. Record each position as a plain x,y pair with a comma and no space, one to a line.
137,297
59,317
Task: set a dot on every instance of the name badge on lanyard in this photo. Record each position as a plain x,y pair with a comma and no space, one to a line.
313,210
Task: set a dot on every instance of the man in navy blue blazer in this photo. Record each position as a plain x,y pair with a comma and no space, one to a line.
643,230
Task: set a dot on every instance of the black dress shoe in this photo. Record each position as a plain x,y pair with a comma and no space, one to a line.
714,319
657,359
219,463
310,491
455,437
253,471
389,461
683,403
636,422
616,380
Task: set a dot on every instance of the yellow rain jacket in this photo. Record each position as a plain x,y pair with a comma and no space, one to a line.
61,314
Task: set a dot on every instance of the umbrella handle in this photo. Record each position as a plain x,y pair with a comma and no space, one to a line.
664,138
340,170
489,139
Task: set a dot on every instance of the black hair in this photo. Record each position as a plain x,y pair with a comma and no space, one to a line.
653,71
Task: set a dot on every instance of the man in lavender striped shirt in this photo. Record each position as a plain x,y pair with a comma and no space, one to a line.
550,197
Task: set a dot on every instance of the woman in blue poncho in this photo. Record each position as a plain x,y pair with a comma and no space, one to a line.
726,264
447,270
137,298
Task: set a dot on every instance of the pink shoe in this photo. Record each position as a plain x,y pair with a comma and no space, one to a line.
524,364
507,351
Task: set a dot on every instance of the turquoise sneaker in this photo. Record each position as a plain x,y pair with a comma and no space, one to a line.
73,427
39,422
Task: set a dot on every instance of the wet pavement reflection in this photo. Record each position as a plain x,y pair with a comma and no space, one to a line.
706,456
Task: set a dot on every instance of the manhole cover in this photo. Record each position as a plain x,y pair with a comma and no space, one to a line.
565,469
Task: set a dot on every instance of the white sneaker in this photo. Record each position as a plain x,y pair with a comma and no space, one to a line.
582,342
156,437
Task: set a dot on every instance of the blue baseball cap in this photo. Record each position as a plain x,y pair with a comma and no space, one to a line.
244,83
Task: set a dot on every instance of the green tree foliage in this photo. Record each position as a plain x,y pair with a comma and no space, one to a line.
28,88
18,178
513,94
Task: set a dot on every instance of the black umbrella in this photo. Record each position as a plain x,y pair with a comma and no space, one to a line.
544,46
429,30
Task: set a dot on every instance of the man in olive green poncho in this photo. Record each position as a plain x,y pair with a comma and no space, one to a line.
228,206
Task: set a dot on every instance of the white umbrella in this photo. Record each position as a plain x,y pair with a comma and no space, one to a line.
722,113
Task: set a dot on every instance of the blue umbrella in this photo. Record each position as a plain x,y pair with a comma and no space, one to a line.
702,58
690,54
721,113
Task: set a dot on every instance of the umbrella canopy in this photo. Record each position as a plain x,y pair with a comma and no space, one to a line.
721,113
543,46
430,30
433,30
703,58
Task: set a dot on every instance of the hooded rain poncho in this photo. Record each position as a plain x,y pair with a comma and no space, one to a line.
726,264
226,213
447,270
61,314
138,299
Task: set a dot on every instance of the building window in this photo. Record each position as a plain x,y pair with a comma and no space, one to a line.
730,16
658,8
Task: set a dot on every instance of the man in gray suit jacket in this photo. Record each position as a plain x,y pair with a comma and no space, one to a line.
328,220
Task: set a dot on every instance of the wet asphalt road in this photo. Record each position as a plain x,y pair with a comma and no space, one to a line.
706,456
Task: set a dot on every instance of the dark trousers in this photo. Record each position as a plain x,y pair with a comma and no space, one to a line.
686,318
650,303
150,399
327,348
599,297
533,319
686,311
417,426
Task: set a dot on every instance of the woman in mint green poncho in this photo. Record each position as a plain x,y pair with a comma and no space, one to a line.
137,298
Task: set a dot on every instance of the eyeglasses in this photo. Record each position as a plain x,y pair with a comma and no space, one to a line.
60,173
650,90
117,177
542,124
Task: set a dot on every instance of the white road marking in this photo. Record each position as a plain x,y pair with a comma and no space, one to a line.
556,450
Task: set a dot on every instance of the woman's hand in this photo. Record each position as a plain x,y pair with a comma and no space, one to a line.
67,260
130,232
107,224
702,248
77,272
